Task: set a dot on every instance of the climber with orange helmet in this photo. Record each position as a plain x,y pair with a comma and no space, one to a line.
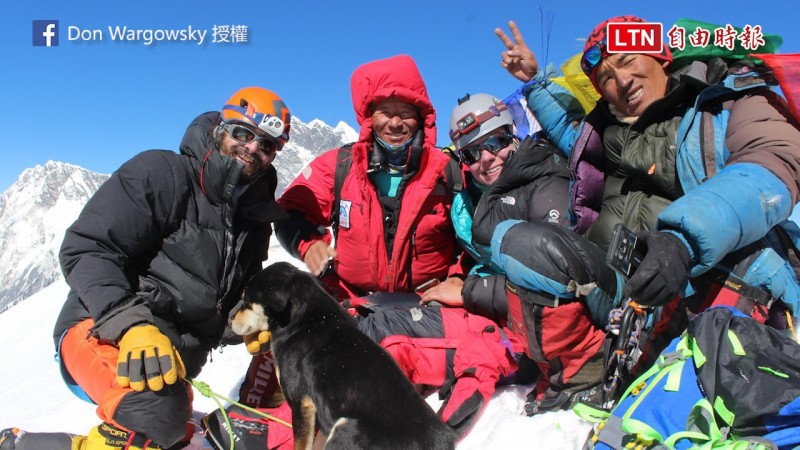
253,114
155,263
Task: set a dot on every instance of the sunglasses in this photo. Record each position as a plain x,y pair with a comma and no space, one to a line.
472,154
593,56
244,135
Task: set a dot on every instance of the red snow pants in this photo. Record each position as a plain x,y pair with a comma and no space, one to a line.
562,340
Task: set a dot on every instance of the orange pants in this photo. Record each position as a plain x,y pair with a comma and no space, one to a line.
161,416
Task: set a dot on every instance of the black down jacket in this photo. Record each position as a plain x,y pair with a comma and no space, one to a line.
534,187
169,239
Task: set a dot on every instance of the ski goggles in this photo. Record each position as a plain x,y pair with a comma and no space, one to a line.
268,123
244,135
593,56
471,154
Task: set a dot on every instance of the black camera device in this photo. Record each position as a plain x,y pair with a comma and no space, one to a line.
623,254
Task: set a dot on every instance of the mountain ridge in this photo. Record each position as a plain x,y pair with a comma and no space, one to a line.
37,209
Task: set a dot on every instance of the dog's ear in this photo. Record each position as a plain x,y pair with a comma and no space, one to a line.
266,289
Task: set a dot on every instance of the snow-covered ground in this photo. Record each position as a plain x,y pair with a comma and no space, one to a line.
34,398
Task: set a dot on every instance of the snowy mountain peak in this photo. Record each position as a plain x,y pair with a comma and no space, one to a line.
346,131
317,123
37,209
318,136
36,184
306,141
34,212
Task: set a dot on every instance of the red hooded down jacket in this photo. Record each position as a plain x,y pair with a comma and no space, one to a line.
424,245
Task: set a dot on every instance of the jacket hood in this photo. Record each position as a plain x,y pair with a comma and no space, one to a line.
217,174
397,77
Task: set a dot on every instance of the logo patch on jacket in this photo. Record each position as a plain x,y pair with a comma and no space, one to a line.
509,200
344,213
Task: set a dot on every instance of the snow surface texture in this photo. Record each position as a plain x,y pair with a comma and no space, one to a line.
34,398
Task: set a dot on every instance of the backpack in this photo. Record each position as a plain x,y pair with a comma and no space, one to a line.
452,179
728,382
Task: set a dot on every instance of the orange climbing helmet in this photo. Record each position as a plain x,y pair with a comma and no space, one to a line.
261,108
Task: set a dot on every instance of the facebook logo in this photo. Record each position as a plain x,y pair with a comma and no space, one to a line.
45,33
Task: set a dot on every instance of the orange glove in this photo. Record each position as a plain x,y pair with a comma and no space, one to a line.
146,355
257,342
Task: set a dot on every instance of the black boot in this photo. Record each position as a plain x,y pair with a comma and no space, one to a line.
16,439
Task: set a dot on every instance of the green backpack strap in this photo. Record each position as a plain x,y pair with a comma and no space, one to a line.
718,405
590,414
625,432
701,427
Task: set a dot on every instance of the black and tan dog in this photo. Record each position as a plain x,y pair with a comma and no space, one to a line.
332,375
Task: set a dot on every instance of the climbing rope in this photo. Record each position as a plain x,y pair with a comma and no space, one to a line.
206,391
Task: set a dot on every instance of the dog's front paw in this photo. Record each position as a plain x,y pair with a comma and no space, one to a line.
257,342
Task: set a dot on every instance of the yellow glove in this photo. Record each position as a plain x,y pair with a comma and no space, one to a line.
257,342
145,354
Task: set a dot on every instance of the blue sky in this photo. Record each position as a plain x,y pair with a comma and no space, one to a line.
96,104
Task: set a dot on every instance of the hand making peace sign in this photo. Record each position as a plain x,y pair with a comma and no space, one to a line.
518,60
